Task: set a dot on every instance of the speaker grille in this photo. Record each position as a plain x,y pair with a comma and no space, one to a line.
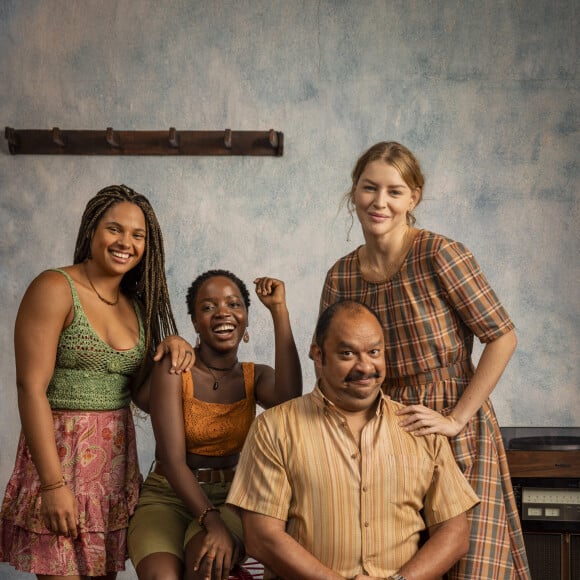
544,555
574,557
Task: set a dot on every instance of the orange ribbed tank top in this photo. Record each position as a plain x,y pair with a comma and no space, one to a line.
217,429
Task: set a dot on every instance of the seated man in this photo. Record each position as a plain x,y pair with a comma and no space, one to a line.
330,487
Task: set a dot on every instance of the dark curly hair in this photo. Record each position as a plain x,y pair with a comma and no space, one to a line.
197,283
146,281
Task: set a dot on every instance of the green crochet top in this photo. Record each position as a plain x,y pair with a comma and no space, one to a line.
90,375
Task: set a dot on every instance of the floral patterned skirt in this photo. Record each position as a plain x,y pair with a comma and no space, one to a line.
98,454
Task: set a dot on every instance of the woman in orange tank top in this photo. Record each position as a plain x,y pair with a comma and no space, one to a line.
200,419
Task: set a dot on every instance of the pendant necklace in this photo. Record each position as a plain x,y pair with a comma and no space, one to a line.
226,371
109,302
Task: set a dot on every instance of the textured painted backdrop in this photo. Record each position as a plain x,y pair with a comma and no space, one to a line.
486,94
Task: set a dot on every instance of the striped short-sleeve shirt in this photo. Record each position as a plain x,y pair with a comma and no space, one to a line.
356,510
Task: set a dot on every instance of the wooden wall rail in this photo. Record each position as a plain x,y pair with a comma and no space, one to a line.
172,142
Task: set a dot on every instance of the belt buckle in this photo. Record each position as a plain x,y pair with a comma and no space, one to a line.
210,469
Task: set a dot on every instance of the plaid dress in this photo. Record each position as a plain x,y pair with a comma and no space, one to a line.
431,310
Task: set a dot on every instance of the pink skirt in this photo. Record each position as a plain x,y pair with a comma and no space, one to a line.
98,455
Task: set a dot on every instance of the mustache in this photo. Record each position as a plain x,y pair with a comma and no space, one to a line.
358,376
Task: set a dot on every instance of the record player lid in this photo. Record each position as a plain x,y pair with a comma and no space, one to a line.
545,443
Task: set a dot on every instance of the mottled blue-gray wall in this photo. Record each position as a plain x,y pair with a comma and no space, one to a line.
486,94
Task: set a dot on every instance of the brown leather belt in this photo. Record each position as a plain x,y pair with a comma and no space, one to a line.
204,474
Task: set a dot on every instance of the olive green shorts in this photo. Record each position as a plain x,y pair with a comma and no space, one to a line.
162,522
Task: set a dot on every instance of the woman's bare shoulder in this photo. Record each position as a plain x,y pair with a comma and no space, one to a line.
50,287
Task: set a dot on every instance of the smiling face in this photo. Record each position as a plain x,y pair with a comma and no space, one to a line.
351,361
119,241
220,316
383,199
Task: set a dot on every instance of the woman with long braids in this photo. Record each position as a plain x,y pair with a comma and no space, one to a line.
84,339
181,527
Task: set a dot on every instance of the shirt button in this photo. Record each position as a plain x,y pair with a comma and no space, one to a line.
366,524
364,488
353,456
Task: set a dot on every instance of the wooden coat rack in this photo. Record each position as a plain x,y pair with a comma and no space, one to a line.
171,142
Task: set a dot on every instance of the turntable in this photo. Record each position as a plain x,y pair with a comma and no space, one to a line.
542,451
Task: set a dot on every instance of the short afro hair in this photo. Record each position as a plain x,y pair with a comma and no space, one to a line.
198,282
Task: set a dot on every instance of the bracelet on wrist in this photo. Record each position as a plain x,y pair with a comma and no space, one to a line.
202,516
51,486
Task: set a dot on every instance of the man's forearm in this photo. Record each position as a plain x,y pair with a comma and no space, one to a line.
283,555
290,561
447,543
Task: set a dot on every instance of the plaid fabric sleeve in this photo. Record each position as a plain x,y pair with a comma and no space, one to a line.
468,291
329,293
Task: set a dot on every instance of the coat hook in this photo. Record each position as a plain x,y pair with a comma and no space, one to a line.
173,137
228,138
57,137
112,138
273,139
12,139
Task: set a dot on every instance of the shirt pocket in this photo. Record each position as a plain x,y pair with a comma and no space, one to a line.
407,478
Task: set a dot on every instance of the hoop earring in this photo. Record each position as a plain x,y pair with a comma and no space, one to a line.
246,337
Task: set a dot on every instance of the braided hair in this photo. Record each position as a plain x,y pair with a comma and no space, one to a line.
146,281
